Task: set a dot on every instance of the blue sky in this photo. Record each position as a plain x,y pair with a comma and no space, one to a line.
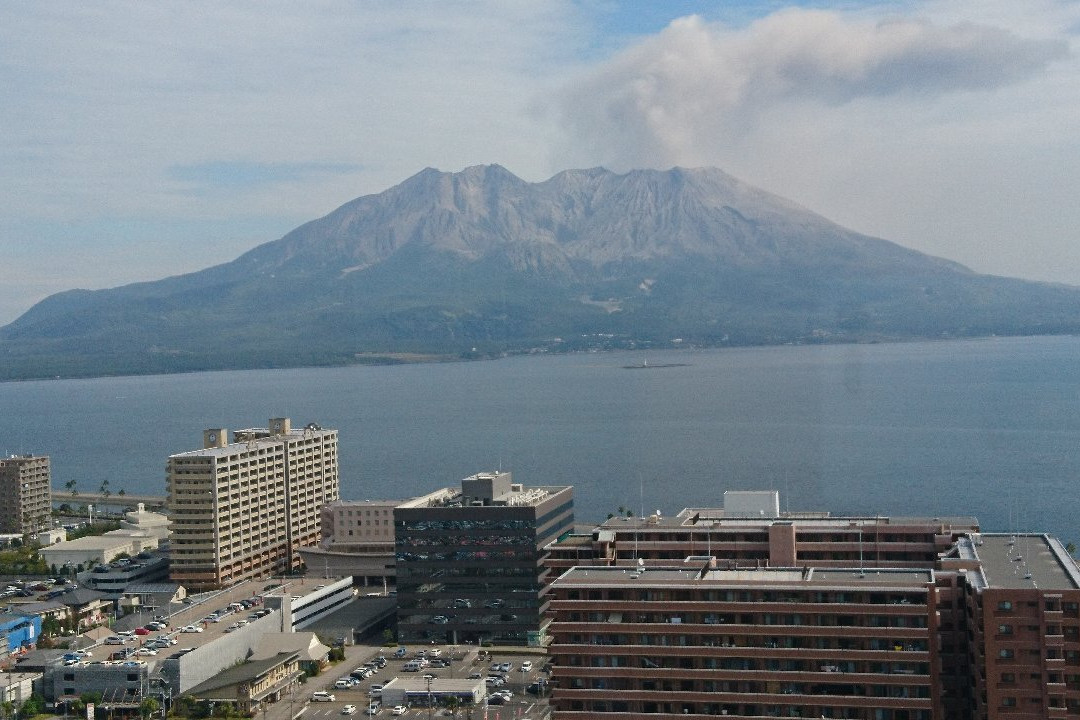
140,140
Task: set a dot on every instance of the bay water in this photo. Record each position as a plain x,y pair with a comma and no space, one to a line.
989,428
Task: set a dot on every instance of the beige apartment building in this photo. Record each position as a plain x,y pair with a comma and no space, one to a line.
243,509
25,483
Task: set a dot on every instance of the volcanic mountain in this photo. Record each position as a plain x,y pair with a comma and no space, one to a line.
481,263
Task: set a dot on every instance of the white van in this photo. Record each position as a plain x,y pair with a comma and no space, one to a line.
412,666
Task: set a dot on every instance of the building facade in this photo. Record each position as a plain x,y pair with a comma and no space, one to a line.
243,509
815,616
470,562
25,485
746,643
1024,609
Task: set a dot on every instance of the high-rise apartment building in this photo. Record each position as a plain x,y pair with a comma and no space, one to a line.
470,562
244,508
754,613
25,485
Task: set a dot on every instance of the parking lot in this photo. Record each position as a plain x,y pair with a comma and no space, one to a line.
463,662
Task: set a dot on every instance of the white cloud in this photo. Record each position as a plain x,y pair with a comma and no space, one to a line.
950,129
696,84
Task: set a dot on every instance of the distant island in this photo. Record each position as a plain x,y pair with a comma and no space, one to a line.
481,264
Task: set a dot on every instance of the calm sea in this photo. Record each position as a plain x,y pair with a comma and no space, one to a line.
989,428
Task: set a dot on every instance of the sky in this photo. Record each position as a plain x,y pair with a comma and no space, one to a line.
140,140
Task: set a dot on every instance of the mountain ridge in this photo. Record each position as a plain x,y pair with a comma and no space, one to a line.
480,263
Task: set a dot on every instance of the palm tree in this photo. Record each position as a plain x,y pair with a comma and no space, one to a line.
105,488
72,486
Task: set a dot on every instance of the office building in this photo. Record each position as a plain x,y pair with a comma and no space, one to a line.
243,509
358,540
25,485
470,562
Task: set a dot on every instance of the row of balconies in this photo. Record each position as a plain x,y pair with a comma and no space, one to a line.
829,655
669,606
833,702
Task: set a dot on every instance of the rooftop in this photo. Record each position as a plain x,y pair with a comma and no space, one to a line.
96,542
703,519
697,577
1026,561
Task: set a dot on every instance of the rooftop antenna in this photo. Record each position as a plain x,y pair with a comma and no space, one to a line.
862,570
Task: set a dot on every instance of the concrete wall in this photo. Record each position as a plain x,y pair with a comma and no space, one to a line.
107,679
196,667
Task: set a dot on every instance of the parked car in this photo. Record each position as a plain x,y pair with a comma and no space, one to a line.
191,629
142,631
399,710
526,666
343,683
348,710
322,696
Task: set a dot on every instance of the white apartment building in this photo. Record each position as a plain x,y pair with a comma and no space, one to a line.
242,509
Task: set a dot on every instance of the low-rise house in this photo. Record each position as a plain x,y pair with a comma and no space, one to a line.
251,685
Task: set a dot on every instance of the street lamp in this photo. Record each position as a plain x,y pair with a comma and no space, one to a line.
428,697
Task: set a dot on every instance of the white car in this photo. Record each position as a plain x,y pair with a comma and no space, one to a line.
191,629
348,710
343,683
322,696
526,666
399,710
434,652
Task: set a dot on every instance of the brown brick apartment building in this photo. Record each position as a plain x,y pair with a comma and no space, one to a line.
814,616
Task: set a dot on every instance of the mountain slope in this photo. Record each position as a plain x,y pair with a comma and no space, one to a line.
481,262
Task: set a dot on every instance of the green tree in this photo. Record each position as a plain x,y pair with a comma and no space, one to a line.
452,705
7,709
121,492
105,488
148,707
1071,548
72,486
34,705
388,637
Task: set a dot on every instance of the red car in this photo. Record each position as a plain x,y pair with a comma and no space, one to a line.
142,631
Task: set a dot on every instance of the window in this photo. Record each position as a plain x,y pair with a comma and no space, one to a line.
1005,653
1008,702
1005,629
1005,606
